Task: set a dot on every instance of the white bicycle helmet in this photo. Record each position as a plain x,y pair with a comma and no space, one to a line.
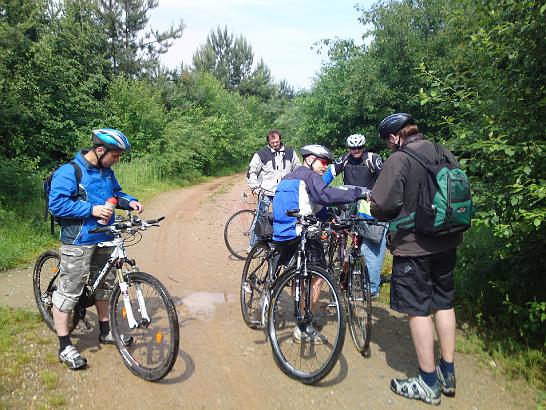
356,141
318,151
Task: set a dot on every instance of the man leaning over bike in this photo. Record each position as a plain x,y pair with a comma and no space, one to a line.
78,209
304,189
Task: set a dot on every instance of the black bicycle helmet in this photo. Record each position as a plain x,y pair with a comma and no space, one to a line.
111,139
394,123
318,151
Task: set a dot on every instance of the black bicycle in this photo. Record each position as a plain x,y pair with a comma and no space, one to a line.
306,317
348,265
141,309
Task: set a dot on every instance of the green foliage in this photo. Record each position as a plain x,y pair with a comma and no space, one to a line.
134,48
136,108
473,74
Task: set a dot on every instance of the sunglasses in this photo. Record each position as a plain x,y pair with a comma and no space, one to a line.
323,161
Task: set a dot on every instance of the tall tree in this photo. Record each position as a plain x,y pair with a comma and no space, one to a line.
228,58
134,49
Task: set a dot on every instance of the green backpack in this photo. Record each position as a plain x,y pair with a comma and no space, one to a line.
444,205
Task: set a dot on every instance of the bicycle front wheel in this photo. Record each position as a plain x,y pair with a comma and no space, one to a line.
237,232
254,286
45,280
306,356
359,305
150,348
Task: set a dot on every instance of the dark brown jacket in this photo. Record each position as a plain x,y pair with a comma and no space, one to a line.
395,195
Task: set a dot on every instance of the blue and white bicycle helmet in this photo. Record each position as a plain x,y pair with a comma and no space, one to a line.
356,141
112,139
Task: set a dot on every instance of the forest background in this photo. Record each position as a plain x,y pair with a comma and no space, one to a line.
471,72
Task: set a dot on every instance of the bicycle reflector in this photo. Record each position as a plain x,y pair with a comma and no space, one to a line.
158,337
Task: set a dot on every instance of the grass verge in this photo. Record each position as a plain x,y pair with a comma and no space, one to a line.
28,377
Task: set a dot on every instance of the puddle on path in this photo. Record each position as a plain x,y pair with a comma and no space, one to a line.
203,304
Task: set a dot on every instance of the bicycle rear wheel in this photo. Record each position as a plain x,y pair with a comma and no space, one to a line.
254,286
153,346
306,359
359,305
44,283
237,232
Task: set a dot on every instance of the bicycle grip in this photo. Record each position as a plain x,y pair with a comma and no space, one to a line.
99,229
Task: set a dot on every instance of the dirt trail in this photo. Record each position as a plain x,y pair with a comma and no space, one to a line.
222,363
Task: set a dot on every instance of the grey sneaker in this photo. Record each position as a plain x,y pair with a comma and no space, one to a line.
448,384
416,388
72,358
109,339
310,335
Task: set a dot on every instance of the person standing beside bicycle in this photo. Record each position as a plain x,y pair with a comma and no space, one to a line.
422,272
78,208
266,169
362,168
304,189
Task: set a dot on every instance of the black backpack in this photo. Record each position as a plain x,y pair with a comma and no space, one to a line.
47,189
444,205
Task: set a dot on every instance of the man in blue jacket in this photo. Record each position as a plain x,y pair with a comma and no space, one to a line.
304,189
78,208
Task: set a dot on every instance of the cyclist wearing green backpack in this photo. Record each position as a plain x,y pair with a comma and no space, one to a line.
425,196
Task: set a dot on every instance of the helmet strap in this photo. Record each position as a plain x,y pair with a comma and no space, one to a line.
99,159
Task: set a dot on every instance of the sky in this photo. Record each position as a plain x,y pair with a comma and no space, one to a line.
282,32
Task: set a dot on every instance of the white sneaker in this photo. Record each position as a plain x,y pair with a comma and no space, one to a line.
310,335
72,358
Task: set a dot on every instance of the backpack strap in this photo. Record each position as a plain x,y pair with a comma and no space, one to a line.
78,175
369,162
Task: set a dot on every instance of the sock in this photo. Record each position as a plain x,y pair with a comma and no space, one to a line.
446,367
104,327
428,378
63,342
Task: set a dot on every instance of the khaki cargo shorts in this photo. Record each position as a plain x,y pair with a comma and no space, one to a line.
77,263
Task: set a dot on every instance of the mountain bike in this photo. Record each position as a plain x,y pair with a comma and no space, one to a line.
141,310
348,265
238,230
306,318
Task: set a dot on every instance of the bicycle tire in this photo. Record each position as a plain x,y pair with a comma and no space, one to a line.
154,347
254,284
44,283
237,232
359,306
302,361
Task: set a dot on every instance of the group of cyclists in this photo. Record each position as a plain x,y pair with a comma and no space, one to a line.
422,273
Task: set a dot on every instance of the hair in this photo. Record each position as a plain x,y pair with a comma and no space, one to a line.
408,131
271,132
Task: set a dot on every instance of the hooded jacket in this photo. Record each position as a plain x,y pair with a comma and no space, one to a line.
74,204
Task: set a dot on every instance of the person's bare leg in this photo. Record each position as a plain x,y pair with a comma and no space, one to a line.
422,333
60,319
102,310
445,328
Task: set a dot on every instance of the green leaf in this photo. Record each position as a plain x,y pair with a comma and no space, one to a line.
527,170
537,222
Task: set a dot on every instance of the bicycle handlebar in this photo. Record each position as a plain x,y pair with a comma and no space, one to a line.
128,224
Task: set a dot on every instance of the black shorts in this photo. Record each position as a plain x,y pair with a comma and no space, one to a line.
422,284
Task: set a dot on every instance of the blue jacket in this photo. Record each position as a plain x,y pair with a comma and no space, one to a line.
73,205
305,190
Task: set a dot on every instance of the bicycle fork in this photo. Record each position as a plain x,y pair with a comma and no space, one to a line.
123,286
